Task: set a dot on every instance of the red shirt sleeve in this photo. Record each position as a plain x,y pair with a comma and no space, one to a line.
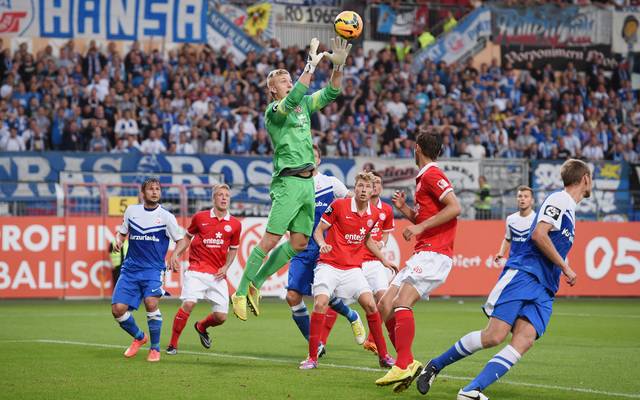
436,184
329,215
235,238
388,224
193,228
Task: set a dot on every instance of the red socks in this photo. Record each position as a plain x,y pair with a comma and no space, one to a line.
208,321
405,332
391,328
316,331
330,320
179,322
375,328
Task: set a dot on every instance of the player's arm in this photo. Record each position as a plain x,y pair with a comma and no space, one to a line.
181,246
450,211
541,239
505,245
339,51
375,250
123,231
399,200
318,236
178,235
231,255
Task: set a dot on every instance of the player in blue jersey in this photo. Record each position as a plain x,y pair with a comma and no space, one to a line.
522,300
149,227
301,267
518,225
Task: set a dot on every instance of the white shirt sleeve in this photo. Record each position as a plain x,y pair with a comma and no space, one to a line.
553,209
124,228
174,231
507,233
340,191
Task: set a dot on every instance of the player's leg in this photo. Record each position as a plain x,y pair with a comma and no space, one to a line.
299,283
320,305
524,335
179,322
154,321
374,320
338,306
495,333
378,281
299,312
218,294
127,296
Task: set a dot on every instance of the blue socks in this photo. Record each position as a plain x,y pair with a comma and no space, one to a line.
342,309
467,345
129,325
300,316
499,365
154,320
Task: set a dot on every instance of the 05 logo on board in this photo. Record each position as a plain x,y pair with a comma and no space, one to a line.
600,257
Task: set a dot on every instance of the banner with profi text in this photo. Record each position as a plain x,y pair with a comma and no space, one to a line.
68,258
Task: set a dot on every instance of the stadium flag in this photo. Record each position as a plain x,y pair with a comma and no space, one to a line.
258,19
395,23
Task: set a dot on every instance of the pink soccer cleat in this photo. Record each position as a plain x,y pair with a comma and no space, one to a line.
308,364
135,346
154,355
386,361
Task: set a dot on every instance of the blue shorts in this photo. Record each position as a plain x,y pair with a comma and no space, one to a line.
134,286
519,294
301,272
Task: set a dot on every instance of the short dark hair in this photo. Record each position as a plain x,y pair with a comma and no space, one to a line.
149,181
573,170
429,142
375,173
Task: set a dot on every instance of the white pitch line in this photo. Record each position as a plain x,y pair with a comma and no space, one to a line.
350,367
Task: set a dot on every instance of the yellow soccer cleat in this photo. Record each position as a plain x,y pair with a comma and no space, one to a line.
396,375
254,299
359,333
416,368
239,306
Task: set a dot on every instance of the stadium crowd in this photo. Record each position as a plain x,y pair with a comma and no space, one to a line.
197,100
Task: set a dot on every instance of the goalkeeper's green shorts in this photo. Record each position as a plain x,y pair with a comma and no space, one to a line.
293,204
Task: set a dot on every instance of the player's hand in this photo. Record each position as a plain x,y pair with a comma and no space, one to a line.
570,276
339,51
118,245
411,231
314,58
380,244
222,273
499,260
399,199
174,263
325,248
391,265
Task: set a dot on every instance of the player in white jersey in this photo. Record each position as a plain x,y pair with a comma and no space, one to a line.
149,227
518,225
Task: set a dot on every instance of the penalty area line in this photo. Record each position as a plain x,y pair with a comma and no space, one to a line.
329,365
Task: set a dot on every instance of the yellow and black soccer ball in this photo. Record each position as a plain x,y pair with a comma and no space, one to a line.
348,25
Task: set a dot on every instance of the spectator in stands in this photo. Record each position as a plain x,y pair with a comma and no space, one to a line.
152,145
240,144
98,143
476,149
261,145
71,138
184,146
593,150
214,145
12,142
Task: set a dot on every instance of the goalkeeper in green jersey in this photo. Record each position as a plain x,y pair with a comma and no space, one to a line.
288,122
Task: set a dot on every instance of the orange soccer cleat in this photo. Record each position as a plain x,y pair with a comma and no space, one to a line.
154,355
135,346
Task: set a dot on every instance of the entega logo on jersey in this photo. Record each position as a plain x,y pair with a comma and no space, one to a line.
355,238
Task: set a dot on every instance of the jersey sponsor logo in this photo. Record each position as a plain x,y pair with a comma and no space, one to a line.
442,184
227,228
147,238
204,224
217,241
354,238
553,212
321,204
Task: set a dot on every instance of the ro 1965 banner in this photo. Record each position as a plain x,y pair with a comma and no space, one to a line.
68,257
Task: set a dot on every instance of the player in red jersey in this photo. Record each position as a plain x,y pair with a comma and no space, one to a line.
349,223
435,218
214,238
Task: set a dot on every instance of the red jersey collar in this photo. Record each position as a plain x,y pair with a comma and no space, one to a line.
425,168
354,206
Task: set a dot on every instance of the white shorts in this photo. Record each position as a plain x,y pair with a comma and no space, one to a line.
377,275
425,271
198,285
333,282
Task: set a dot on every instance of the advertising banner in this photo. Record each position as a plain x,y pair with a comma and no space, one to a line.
582,57
177,21
458,42
68,257
625,31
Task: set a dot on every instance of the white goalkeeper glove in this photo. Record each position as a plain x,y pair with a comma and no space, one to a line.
339,52
314,58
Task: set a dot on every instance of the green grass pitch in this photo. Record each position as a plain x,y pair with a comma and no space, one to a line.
73,350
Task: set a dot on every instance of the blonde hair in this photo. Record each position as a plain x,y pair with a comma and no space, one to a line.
365,176
218,187
273,74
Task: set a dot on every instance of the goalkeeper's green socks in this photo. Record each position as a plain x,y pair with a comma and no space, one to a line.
278,258
250,269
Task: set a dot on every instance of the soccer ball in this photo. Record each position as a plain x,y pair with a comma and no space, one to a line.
348,25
